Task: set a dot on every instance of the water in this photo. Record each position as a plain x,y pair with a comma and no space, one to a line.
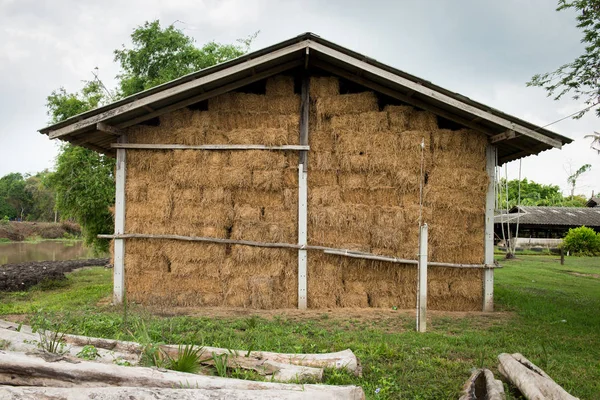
17,252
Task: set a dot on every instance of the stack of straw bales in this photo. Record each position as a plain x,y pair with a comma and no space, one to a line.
364,175
250,195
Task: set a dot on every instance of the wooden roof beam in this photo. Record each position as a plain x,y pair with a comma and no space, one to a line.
103,127
509,134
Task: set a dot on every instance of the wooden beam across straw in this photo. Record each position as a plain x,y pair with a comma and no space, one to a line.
327,250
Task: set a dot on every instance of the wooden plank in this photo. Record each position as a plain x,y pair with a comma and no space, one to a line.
103,127
119,247
422,286
432,94
207,147
181,88
490,201
302,237
509,134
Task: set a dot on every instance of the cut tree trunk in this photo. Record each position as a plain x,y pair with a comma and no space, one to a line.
112,393
482,386
18,369
533,383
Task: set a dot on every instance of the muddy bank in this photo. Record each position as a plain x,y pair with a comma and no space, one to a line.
19,231
18,277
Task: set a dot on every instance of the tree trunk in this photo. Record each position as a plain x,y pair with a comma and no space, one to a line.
482,386
533,383
18,369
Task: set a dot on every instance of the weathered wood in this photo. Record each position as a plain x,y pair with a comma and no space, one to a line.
422,284
531,380
302,237
207,147
178,89
17,369
490,201
508,134
483,386
139,393
433,94
328,250
119,244
103,127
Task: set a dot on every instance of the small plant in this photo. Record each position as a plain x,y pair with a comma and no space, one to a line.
122,362
88,352
220,362
4,344
52,341
582,241
187,360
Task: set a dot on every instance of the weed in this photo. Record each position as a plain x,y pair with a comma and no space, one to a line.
220,362
88,352
187,360
4,344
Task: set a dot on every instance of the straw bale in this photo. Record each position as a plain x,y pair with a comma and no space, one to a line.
262,291
189,135
150,134
347,239
237,293
342,216
268,180
350,180
176,119
319,178
324,86
136,191
216,195
201,120
363,123
321,140
211,158
423,120
259,198
217,215
399,117
280,85
322,161
290,178
354,162
324,280
371,197
225,121
324,196
260,231
244,212
353,103
290,199
264,136
278,214
457,200
257,159
354,295
471,180
254,103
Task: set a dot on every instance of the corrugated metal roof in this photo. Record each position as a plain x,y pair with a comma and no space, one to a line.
292,53
562,216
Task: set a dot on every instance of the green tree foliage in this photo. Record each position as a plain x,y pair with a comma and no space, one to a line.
15,201
42,197
536,194
581,76
84,180
582,241
572,179
160,55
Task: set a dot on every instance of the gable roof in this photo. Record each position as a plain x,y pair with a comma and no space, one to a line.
559,216
96,129
594,201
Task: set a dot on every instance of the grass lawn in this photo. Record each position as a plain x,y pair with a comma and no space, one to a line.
548,312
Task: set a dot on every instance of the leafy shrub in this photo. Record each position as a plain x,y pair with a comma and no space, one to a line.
582,241
88,352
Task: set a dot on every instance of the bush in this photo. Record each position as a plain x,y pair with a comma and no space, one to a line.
582,241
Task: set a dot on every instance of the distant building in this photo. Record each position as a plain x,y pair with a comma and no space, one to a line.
544,226
594,201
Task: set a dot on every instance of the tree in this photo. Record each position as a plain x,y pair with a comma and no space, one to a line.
42,196
16,201
580,77
84,179
535,194
595,145
572,179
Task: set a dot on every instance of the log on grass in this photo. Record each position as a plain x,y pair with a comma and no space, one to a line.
18,369
483,386
531,381
121,393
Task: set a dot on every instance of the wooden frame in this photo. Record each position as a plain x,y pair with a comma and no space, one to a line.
490,201
303,195
119,249
422,286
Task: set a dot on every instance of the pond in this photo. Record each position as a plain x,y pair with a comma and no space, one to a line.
50,250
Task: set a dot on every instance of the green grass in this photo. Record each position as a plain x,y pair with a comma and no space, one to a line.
548,314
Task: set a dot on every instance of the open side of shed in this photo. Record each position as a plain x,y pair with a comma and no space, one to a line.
291,177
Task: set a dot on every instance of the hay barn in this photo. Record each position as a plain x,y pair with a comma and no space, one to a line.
292,177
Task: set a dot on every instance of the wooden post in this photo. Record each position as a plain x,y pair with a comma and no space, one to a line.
562,256
119,247
422,290
490,200
303,197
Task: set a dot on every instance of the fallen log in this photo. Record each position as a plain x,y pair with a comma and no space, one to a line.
482,386
531,381
121,393
18,369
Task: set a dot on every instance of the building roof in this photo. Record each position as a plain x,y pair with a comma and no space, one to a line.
594,201
559,216
98,128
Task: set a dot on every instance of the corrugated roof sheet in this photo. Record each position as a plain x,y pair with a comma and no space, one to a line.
561,216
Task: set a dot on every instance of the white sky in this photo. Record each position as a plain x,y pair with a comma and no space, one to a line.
485,50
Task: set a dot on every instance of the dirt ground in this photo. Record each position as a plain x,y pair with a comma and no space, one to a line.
18,277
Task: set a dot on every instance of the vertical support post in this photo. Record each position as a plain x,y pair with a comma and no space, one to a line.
119,247
303,197
422,290
490,200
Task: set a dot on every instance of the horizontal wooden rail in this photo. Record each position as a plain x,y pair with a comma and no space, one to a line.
327,250
291,147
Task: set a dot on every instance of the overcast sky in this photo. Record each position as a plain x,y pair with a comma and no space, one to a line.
485,50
